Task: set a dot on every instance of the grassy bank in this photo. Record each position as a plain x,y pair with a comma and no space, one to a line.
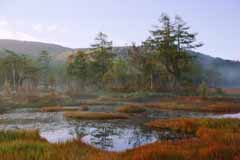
198,104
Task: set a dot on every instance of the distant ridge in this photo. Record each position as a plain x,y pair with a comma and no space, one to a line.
32,48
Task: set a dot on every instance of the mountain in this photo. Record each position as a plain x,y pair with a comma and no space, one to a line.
32,48
228,69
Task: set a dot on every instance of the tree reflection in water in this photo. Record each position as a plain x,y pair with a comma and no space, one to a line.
116,135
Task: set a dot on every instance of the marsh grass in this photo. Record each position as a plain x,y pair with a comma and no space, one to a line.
131,108
28,145
57,109
215,138
191,125
19,135
198,104
95,115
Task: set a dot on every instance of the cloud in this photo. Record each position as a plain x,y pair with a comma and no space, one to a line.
38,27
50,28
53,28
7,34
3,22
20,30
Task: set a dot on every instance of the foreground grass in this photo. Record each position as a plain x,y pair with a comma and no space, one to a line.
198,104
95,115
27,145
216,139
131,109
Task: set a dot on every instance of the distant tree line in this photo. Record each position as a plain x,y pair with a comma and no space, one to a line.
162,63
22,72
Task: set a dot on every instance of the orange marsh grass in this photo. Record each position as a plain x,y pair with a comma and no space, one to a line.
95,115
216,139
131,109
191,125
197,104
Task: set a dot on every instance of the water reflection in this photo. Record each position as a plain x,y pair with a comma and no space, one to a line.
119,135
112,135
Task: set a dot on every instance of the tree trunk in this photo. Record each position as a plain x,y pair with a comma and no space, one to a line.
151,81
14,77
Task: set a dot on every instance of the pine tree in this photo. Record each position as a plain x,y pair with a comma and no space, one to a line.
102,56
171,43
44,60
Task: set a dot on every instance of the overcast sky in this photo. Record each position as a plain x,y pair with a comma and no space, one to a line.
74,23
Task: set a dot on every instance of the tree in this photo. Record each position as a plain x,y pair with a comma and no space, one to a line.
44,62
121,76
11,63
101,57
171,43
78,67
15,69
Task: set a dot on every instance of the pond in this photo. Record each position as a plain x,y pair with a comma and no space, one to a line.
111,135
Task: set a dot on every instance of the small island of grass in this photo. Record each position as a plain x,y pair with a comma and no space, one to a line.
95,115
131,109
57,109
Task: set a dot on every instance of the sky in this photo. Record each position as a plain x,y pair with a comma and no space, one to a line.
75,23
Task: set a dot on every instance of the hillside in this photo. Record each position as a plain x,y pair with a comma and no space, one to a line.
229,70
31,48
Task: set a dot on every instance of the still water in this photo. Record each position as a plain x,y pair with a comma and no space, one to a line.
111,135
